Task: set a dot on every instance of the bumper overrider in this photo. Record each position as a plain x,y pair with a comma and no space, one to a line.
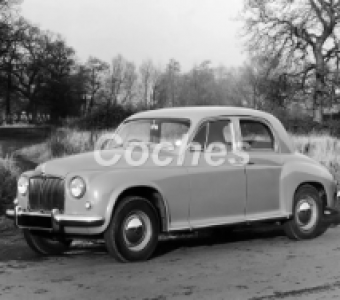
53,221
331,216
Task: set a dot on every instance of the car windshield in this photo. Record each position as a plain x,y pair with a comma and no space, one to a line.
170,132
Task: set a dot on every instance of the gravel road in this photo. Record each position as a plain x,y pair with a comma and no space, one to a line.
256,264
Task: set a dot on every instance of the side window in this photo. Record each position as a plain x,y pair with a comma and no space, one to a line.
172,132
140,133
220,132
256,136
201,136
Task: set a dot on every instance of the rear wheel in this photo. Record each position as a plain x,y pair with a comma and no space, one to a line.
133,231
307,215
45,246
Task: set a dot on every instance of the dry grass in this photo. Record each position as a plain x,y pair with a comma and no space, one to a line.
323,148
62,142
67,142
36,153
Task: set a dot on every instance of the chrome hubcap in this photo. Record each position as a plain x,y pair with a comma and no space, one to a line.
306,213
134,230
137,231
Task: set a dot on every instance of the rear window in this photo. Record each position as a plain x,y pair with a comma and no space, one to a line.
256,136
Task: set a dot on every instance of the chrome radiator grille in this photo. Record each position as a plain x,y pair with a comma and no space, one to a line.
46,193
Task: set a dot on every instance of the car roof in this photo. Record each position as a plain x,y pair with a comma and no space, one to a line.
200,112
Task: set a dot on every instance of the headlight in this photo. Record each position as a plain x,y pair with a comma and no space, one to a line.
77,187
23,183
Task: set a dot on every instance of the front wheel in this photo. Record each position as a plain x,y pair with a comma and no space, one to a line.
133,231
45,246
307,215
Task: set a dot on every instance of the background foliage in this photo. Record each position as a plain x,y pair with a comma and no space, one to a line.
293,69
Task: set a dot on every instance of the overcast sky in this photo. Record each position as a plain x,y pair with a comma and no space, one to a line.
188,30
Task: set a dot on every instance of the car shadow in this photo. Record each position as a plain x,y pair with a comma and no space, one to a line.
217,237
15,248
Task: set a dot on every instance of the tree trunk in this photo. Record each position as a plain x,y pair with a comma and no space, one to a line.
254,98
9,91
319,94
91,104
319,90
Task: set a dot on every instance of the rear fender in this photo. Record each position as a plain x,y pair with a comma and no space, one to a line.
297,173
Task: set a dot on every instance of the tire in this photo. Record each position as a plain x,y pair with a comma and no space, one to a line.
307,218
45,246
133,231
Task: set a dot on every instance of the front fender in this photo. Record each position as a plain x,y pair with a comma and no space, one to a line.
105,188
124,187
296,173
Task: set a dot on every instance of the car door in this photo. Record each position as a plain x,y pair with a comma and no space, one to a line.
218,192
263,169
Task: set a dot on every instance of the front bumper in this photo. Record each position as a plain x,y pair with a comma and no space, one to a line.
54,221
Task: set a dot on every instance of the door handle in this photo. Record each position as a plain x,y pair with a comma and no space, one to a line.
251,163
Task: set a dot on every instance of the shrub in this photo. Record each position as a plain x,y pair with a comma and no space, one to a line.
305,124
8,177
102,118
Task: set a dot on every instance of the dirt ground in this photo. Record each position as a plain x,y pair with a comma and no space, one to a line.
256,264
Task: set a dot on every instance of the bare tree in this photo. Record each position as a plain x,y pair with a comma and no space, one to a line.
149,77
173,69
199,86
120,81
79,81
130,80
7,18
96,69
298,36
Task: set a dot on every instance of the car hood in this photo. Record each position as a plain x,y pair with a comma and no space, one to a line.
88,162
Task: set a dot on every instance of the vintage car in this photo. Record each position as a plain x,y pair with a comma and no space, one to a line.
184,169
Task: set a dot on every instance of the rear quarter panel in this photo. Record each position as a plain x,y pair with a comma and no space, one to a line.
299,169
